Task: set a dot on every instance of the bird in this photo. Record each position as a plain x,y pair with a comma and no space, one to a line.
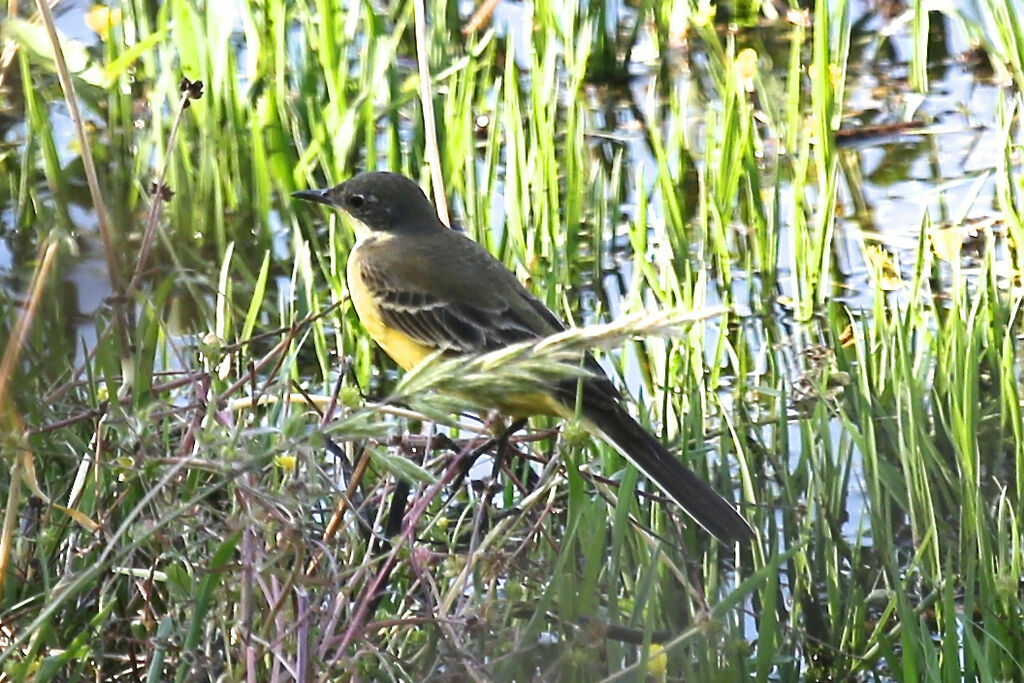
420,288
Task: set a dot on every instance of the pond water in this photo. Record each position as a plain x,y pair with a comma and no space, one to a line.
945,169
917,174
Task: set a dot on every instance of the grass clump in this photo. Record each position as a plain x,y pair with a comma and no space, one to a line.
211,472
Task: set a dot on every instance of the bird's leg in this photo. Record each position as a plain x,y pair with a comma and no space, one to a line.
501,441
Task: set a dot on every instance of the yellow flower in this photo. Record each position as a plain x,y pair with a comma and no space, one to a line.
657,662
746,68
286,462
835,74
100,18
882,268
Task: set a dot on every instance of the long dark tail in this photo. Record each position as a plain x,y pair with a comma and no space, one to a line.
650,456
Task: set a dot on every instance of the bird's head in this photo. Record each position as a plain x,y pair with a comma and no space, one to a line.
379,202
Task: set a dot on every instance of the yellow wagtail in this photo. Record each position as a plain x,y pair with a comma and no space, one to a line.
420,287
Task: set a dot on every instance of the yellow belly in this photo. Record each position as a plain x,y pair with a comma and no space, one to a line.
409,353
402,348
531,403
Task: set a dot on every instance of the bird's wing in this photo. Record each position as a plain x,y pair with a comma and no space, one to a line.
453,320
456,326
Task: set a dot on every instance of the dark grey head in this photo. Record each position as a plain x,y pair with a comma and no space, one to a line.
380,202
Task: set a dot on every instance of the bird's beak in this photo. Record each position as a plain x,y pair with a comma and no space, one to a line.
316,196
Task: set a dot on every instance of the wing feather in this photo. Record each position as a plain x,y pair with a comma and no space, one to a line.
462,327
455,326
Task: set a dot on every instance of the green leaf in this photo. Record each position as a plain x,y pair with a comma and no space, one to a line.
32,38
129,56
402,467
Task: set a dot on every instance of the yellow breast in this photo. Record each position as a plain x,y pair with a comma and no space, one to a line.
409,353
402,348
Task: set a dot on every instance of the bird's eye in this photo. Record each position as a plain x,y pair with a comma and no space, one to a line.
356,201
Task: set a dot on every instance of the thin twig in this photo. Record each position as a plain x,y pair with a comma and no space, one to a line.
158,193
92,180
412,519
